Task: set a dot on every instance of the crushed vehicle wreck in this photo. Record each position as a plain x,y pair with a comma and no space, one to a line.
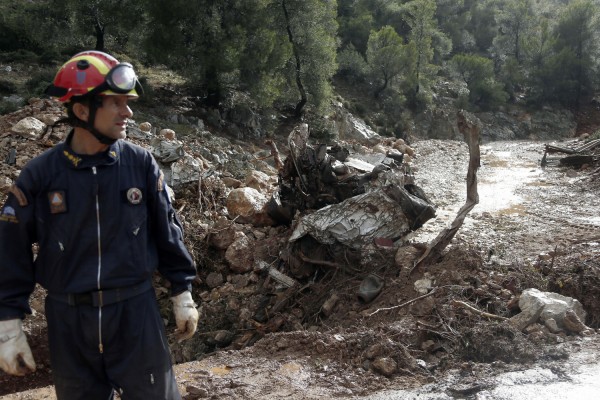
337,198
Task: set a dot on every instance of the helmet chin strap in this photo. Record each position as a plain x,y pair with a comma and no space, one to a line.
89,126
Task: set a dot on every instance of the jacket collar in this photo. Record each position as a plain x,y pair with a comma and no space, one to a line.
79,161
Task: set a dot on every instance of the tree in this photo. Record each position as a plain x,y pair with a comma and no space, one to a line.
453,16
577,47
482,24
388,57
211,42
109,22
420,16
355,23
478,74
515,21
311,28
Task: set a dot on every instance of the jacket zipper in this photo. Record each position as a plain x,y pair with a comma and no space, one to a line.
100,345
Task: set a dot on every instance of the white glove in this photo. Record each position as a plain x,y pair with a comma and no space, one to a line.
15,354
186,315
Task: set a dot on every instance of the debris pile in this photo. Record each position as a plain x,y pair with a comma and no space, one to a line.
577,156
314,242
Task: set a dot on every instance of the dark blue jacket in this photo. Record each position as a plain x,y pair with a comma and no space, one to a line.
100,222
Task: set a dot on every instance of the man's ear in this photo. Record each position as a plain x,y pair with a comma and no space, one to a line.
81,111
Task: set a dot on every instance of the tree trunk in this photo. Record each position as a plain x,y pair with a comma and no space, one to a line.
303,97
99,29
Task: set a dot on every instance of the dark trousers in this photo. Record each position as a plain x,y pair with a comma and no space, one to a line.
134,361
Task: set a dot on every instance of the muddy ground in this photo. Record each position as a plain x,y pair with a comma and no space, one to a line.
533,227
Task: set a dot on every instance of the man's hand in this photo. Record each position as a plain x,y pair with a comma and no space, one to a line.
186,315
15,354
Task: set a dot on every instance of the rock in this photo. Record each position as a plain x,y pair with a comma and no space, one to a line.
423,286
329,305
145,126
537,306
195,392
572,323
552,326
48,119
385,366
240,256
247,205
406,256
214,279
223,338
222,234
168,134
259,180
29,127
231,182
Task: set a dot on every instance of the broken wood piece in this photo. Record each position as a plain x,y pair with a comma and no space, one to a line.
277,275
476,311
318,262
470,129
403,304
275,154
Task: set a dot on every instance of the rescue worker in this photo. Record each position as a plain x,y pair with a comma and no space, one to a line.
98,208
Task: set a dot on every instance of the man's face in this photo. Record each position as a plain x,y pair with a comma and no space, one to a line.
111,118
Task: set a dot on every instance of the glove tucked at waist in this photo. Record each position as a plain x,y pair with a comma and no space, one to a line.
15,354
186,315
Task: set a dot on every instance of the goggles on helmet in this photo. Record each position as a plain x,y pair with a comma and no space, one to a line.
120,79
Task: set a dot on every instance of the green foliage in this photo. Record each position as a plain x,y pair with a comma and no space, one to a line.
419,15
20,56
355,24
352,65
538,50
515,21
388,57
478,73
564,65
482,24
7,86
6,107
312,28
39,81
452,17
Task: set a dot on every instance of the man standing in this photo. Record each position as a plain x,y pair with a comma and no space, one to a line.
98,209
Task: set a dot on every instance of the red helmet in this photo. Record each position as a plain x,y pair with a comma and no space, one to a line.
94,72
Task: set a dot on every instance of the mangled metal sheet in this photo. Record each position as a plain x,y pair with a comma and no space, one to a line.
166,151
389,212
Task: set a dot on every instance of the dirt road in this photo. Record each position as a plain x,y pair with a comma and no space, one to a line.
526,215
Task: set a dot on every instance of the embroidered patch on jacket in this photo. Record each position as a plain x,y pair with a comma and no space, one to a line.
57,201
161,182
72,157
134,196
19,195
9,215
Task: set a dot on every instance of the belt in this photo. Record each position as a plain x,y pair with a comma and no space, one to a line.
100,298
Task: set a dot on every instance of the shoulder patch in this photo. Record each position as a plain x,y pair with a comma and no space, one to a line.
19,195
160,185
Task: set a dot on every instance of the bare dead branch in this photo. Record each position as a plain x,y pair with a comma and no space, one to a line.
476,311
470,130
318,262
275,154
403,304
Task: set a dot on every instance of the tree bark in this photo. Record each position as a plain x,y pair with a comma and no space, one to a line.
303,97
